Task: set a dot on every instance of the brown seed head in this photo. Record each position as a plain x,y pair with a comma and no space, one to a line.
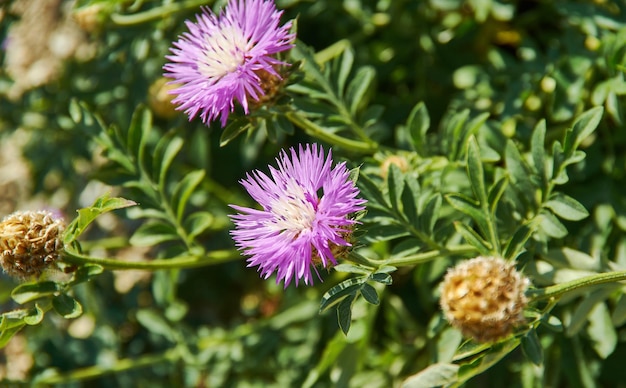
484,298
29,242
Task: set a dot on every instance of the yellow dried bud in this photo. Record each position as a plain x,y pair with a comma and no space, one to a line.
160,99
398,160
29,242
484,298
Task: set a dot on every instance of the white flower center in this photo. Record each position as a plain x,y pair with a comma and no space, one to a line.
224,52
294,213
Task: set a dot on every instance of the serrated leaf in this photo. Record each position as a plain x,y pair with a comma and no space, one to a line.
153,233
344,313
86,216
566,207
31,291
67,306
369,294
417,125
358,89
532,347
35,316
340,291
183,191
436,375
551,225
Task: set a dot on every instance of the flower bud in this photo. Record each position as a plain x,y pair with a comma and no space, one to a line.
484,298
30,242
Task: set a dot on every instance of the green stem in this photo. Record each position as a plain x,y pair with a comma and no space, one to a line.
559,290
211,258
155,13
120,366
318,132
424,257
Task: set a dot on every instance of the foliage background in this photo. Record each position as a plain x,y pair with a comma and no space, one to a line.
220,325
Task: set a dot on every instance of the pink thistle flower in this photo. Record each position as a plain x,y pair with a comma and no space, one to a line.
225,58
305,217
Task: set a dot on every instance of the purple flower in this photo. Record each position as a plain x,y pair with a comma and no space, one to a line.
306,204
226,58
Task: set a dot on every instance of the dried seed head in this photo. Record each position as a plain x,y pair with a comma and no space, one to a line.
29,242
484,298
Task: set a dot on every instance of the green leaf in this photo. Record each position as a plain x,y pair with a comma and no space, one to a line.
340,291
86,216
566,207
486,360
395,184
452,133
183,191
371,191
383,278
31,291
518,171
601,331
154,322
468,131
197,223
532,347
517,242
470,208
6,333
351,268
619,313
85,273
429,215
75,110
35,316
435,375
344,313
583,309
347,59
356,95
153,233
369,294
475,171
67,306
473,238
165,151
585,125
417,125
551,225
537,148
495,193
234,129
138,131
